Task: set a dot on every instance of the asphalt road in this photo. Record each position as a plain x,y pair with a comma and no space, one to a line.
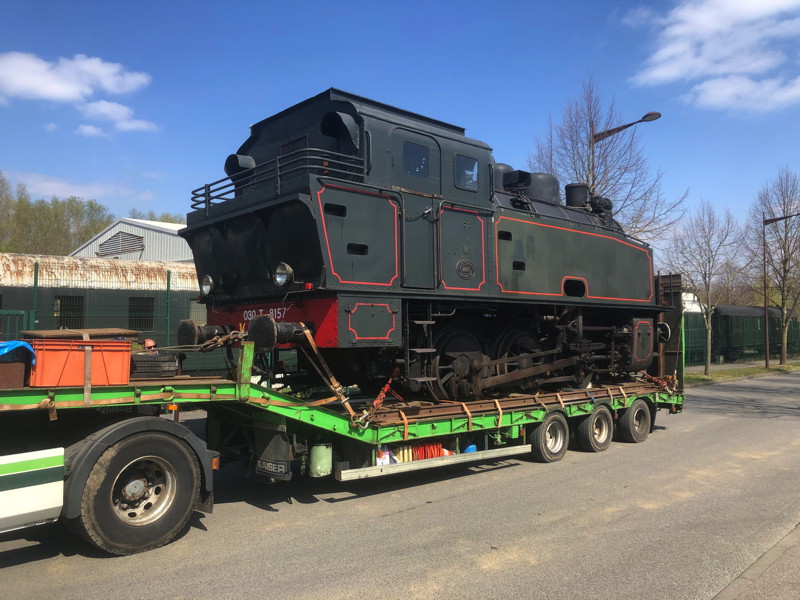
680,516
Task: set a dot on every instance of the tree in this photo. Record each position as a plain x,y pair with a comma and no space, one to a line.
614,167
704,252
778,198
52,226
736,287
151,215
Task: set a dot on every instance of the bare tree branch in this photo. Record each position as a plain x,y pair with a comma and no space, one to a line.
614,167
704,251
779,198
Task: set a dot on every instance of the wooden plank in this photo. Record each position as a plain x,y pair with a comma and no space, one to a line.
106,333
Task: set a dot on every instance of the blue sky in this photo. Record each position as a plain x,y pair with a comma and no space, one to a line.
136,104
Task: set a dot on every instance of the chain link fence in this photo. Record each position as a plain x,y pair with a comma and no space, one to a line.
150,298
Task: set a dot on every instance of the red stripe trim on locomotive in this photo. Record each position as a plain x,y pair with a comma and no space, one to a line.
483,251
355,333
328,244
561,293
636,338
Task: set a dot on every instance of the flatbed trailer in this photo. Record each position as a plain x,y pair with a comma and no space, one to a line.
116,464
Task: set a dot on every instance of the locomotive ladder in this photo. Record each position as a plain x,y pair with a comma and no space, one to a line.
425,353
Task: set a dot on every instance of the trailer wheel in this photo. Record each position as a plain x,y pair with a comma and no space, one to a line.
634,424
550,438
594,432
139,494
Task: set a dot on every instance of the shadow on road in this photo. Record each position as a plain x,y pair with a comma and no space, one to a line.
47,541
766,397
234,485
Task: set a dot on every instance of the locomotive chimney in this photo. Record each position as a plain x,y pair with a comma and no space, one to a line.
577,195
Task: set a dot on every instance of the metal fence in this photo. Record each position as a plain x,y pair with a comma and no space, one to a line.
67,293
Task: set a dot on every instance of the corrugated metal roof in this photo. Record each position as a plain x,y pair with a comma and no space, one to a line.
17,270
160,225
159,242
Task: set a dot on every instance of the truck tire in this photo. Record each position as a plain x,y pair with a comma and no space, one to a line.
594,433
139,494
634,424
550,438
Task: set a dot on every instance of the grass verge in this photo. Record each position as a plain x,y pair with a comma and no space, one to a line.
736,373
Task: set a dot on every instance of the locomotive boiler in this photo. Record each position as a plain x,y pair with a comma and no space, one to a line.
389,248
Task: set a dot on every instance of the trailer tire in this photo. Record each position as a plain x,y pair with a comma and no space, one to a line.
550,438
634,424
139,494
595,432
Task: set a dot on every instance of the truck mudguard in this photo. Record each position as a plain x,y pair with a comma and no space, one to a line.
82,456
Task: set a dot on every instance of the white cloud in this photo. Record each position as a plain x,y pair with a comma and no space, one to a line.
74,81
119,114
103,110
50,127
46,186
735,54
154,174
135,125
27,76
90,131
737,92
638,16
118,198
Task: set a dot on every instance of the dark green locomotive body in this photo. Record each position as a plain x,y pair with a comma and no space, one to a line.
387,231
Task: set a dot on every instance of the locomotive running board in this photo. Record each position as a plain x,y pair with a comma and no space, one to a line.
428,463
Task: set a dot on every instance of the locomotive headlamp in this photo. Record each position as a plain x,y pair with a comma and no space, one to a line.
206,285
283,274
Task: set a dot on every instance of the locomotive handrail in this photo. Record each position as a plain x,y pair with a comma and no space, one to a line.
472,207
312,161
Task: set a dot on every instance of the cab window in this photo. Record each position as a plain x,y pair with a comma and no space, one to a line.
466,176
416,160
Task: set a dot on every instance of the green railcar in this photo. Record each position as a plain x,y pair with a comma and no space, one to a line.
738,335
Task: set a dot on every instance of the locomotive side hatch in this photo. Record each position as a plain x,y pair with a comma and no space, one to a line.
415,164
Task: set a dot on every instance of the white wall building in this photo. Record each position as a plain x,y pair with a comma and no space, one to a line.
137,239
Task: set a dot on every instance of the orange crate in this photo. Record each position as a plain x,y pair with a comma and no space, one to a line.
62,362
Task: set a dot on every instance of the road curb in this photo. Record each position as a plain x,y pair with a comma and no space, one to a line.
743,582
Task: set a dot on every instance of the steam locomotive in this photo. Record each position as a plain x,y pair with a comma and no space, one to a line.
389,247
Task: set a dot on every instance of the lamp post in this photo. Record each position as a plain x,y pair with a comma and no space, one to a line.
764,223
600,136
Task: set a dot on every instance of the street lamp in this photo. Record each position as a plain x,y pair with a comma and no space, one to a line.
596,137
600,136
764,223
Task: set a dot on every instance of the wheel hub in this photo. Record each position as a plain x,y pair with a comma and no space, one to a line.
134,490
144,490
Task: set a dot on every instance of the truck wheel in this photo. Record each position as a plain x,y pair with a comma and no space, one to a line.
550,438
139,494
594,433
634,424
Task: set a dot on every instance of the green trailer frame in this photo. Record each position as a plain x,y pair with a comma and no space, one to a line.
509,415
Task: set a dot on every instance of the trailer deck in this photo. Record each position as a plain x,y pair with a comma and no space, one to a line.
390,421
